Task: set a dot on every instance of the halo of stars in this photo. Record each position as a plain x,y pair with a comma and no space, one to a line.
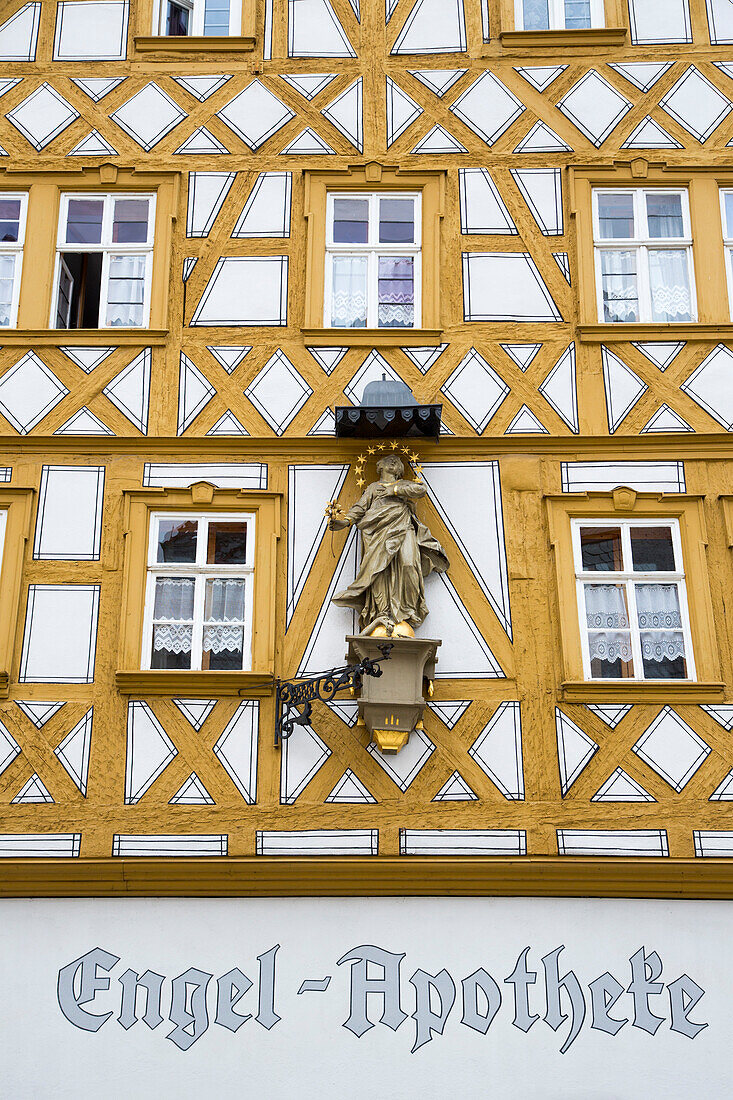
411,457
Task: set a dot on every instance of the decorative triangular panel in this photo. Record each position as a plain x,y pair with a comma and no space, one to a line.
278,392
129,390
464,654
192,793
439,81
660,354
325,647
314,30
574,750
455,789
34,790
206,194
93,145
203,143
194,393
450,712
541,139
476,390
621,787
87,357
308,84
148,116
672,749
541,76
623,388
525,422
559,389
401,111
350,789
9,748
149,751
42,116
189,263
195,711
346,114
724,791
562,259
433,26
356,8
498,750
325,425
19,34
389,8
309,487
522,354
83,422
609,714
711,385
266,212
541,189
236,749
650,135
482,208
228,424
28,392
39,713
403,766
424,358
97,87
201,87
439,140
309,143
328,358
488,107
73,752
696,104
666,420
230,357
453,488
642,74
303,754
594,106
7,83
374,368
255,114
723,714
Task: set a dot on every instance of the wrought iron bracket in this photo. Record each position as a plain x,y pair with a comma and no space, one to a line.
290,695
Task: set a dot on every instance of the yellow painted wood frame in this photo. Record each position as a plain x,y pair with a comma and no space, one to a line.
39,253
147,41
687,509
200,497
612,34
374,177
18,504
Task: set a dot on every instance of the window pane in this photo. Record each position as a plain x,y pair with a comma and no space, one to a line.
171,646
396,291
619,286
664,215
670,285
7,269
728,204
536,15
84,221
177,540
174,599
349,292
577,15
227,543
609,635
224,602
396,221
660,623
600,549
223,645
172,626
616,216
9,220
177,21
652,550
130,224
126,291
351,221
216,17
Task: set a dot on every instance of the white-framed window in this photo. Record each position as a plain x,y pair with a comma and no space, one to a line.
198,603
726,204
176,18
643,255
558,15
104,261
13,211
632,600
373,268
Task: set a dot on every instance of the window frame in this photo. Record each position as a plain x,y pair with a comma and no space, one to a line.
196,23
201,571
629,580
642,245
557,16
107,248
727,243
16,249
373,252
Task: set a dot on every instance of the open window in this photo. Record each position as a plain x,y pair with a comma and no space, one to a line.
104,261
13,209
182,18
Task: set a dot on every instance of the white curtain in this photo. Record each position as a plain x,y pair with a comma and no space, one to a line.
225,606
173,601
607,618
620,293
396,292
660,621
349,292
670,285
536,15
126,290
7,268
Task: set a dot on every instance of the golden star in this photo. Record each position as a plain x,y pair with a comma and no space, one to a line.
414,458
380,446
371,450
394,445
360,482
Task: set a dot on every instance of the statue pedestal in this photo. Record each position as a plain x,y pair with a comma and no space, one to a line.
392,704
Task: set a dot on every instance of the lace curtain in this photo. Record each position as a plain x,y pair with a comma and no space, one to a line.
349,292
607,618
7,267
126,290
173,600
670,285
659,619
396,292
620,294
223,612
225,605
536,15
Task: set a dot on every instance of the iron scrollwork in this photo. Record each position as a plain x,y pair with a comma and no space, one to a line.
294,699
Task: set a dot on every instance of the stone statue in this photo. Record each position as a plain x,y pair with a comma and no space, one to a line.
398,553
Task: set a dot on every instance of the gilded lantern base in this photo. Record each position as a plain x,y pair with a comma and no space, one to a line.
390,741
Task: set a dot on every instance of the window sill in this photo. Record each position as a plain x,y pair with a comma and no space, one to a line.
214,684
650,691
193,45
596,36
70,336
692,331
373,337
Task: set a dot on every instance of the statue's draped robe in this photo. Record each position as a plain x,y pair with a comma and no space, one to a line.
398,552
